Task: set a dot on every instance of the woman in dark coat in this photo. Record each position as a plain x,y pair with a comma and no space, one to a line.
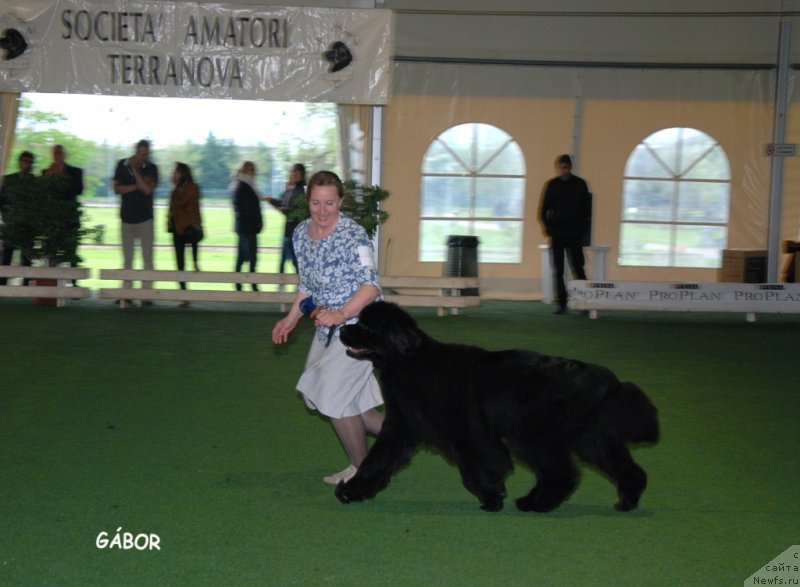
183,220
249,222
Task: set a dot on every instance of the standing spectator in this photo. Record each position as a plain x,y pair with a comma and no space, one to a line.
334,256
295,187
69,191
13,187
183,220
249,222
135,179
566,213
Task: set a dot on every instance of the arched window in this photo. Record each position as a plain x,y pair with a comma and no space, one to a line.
675,201
473,183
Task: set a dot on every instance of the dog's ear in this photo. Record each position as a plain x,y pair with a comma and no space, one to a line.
405,340
401,328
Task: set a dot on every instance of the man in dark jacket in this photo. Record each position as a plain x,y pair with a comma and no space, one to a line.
566,214
70,188
14,185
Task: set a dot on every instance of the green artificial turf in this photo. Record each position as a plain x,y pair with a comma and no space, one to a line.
184,424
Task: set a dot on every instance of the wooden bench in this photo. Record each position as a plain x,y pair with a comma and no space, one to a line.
61,291
433,292
124,294
443,293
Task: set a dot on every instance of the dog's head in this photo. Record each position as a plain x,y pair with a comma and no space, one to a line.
384,332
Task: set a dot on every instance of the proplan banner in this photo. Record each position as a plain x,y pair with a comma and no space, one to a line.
186,49
767,298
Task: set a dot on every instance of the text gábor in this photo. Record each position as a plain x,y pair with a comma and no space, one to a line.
196,68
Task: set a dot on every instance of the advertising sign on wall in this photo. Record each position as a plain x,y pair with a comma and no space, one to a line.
767,298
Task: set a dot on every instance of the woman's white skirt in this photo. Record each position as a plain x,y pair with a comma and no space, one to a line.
336,385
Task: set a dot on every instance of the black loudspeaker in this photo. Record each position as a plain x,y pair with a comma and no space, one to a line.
13,44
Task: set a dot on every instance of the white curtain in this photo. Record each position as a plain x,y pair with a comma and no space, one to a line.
355,142
9,105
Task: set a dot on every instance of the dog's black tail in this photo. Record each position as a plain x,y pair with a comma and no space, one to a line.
630,414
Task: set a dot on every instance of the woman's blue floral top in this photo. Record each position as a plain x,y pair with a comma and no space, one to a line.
334,268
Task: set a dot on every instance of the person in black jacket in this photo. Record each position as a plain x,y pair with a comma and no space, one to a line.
566,214
249,222
68,192
15,182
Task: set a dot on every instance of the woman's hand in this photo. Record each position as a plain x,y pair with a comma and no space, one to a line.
280,333
329,318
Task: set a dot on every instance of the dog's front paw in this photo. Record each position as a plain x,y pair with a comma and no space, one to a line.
534,503
492,504
346,493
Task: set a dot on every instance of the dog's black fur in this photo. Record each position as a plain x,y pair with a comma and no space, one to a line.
480,407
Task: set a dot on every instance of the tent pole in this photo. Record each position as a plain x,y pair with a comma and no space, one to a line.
779,136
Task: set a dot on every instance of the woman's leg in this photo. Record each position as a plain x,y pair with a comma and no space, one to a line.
180,254
284,254
373,421
253,246
195,250
352,434
241,244
253,249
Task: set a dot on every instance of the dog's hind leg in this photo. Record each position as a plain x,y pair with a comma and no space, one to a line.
615,460
484,464
556,474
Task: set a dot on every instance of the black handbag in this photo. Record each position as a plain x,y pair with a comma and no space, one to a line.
193,234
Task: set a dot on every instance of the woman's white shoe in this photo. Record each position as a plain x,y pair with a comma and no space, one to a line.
345,476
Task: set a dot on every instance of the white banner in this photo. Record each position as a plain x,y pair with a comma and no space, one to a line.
187,49
766,298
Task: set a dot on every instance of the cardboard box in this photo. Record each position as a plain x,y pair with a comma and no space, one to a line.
743,266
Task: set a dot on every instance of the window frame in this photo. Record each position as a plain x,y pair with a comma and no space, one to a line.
472,172
677,180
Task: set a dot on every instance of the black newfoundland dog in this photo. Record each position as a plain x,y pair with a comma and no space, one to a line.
480,407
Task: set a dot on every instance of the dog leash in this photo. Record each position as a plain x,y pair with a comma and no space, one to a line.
308,307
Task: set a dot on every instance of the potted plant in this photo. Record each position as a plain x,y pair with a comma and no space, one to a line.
43,225
40,224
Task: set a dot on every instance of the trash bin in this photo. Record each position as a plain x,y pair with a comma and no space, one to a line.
462,261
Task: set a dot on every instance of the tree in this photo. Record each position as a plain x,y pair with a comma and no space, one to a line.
41,223
218,160
37,132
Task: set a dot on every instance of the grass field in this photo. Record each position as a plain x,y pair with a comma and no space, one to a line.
185,424
217,250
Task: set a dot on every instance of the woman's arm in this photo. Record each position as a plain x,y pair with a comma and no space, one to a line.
365,295
280,333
